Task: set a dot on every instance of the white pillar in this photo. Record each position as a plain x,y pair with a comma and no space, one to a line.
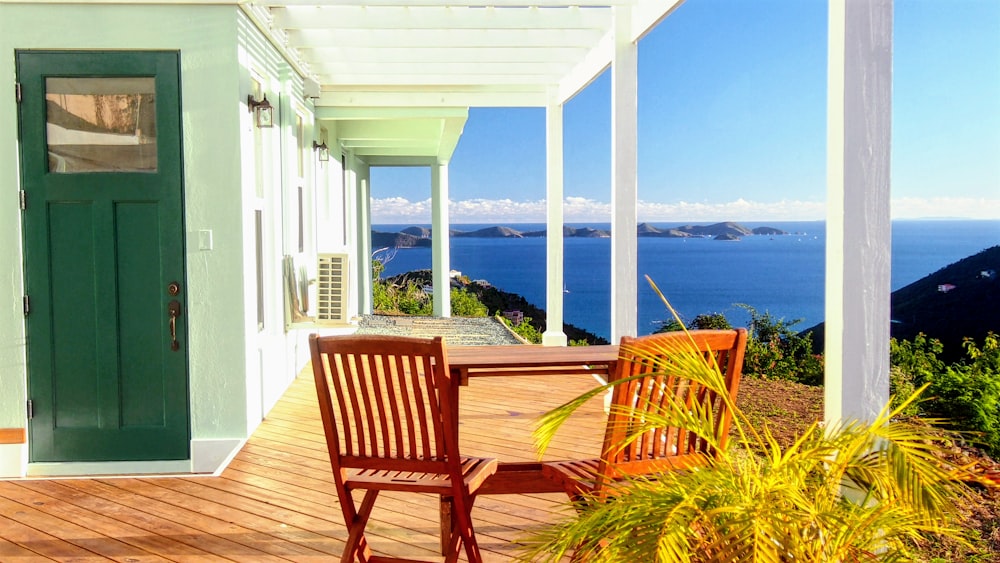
352,232
364,210
859,119
554,284
624,122
440,245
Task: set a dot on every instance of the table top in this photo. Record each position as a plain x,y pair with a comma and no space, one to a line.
528,356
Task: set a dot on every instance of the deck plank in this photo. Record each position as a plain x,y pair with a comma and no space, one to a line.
275,501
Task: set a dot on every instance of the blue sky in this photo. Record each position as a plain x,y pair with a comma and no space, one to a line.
732,124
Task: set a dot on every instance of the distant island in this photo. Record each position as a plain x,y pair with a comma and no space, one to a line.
412,237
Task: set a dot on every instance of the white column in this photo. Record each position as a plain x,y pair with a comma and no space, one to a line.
554,284
364,207
624,121
440,245
352,231
859,119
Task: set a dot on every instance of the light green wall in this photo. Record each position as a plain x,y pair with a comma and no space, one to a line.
213,104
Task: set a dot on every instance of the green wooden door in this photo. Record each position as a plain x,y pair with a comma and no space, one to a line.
104,255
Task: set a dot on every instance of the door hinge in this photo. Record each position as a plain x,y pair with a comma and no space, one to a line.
17,92
22,198
27,305
31,409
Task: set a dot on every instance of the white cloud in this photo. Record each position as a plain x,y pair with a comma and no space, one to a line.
583,210
958,207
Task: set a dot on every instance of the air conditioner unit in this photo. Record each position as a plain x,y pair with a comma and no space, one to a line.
331,289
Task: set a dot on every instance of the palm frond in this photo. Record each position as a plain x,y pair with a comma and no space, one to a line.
845,491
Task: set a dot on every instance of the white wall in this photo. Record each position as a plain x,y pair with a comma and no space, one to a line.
225,374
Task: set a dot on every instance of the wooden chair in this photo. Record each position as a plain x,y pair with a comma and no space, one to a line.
391,424
663,448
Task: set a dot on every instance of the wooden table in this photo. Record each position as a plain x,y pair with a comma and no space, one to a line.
530,359
505,361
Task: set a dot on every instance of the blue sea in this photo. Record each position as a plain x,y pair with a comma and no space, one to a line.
782,275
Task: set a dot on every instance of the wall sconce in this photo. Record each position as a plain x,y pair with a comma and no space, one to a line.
322,151
263,111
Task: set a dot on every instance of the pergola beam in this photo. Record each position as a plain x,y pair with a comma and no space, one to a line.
439,17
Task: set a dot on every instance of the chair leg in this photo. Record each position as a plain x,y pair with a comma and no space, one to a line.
447,522
462,517
357,548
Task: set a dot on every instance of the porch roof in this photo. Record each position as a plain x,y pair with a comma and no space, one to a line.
398,76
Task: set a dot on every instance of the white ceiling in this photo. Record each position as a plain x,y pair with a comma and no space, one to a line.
397,77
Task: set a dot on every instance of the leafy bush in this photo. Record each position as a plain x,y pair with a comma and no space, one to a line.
913,363
710,321
967,393
413,300
775,351
524,329
406,297
466,304
670,326
706,321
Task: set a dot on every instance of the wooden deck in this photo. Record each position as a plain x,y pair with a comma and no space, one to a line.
274,501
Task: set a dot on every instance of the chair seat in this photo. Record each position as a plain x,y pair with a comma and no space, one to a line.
575,476
475,470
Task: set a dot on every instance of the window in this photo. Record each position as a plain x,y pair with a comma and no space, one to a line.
101,124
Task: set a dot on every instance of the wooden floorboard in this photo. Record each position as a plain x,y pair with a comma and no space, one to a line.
275,501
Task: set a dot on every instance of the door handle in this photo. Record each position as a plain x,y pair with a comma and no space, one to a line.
174,311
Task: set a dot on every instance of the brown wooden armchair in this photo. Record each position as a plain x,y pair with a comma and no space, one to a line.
391,425
660,448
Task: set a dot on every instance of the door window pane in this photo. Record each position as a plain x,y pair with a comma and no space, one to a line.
105,124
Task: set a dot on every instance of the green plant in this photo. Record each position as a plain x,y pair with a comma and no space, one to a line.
775,351
968,393
406,297
847,492
524,329
913,363
701,322
672,325
466,304
709,321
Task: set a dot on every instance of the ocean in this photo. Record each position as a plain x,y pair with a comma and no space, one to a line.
781,275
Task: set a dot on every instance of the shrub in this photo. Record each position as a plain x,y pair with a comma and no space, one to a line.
524,329
968,393
670,326
710,321
407,297
466,304
775,351
913,363
706,321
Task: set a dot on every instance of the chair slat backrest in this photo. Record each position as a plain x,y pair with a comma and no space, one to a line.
385,402
667,447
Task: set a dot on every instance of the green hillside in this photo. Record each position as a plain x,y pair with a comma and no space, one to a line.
970,309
